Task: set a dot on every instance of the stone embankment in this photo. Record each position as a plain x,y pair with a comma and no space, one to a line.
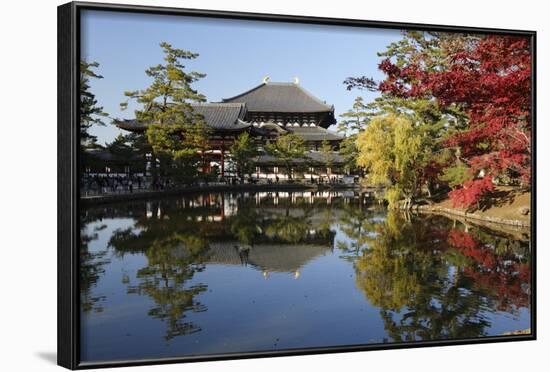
473,216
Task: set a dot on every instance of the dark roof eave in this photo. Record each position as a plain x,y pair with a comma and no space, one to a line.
131,128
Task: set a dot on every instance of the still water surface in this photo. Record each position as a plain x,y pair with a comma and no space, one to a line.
222,273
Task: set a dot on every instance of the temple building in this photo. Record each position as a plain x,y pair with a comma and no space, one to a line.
268,111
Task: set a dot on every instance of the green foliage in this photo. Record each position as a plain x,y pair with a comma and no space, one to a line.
349,151
327,154
244,152
289,228
357,224
387,278
432,49
432,122
394,152
393,195
92,263
90,112
403,270
355,119
456,174
436,123
177,135
375,151
130,149
167,99
121,147
139,143
165,280
288,148
246,226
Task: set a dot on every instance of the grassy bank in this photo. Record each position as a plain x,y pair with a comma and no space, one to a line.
505,205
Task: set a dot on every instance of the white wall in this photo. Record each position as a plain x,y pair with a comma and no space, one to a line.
28,184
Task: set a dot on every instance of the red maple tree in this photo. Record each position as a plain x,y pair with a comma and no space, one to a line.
490,79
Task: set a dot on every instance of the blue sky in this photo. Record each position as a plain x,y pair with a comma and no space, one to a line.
234,54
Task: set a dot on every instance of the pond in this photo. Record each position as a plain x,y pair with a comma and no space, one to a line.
243,272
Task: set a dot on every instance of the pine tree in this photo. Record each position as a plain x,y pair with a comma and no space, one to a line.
355,119
177,134
90,112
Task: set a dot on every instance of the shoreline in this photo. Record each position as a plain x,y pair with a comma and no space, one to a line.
451,212
505,206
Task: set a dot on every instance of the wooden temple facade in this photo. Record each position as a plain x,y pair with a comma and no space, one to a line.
266,111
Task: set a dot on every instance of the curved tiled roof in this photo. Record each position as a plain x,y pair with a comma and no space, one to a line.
315,133
224,116
280,97
131,125
219,116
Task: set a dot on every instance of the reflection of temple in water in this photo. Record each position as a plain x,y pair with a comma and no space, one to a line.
268,258
220,206
284,236
215,207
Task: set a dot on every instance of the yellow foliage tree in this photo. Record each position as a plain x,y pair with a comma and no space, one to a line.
394,152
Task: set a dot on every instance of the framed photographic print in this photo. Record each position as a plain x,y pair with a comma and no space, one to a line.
235,185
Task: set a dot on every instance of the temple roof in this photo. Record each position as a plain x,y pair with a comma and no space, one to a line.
131,125
280,97
224,116
315,133
219,116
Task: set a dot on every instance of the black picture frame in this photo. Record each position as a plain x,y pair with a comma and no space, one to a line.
68,341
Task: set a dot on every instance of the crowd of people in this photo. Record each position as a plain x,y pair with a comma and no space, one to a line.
113,183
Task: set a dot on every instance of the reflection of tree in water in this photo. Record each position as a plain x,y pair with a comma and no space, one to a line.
327,219
246,226
285,223
358,223
172,260
90,270
497,265
426,291
430,280
175,240
290,228
171,263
